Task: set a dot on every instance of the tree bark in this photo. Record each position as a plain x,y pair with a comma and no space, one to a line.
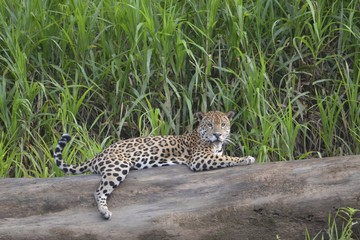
260,201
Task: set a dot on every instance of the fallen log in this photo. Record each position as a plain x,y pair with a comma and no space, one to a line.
261,201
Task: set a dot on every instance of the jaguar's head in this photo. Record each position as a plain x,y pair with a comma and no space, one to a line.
214,126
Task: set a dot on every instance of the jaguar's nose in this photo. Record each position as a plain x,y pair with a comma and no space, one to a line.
217,135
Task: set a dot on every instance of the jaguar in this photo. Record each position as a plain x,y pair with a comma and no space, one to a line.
200,150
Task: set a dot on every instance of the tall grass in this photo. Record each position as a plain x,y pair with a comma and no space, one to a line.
341,225
108,70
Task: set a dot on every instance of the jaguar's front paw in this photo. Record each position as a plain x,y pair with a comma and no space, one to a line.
251,160
107,215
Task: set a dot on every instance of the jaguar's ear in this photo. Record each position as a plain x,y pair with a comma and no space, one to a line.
230,114
199,116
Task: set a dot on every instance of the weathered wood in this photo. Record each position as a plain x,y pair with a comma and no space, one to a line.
252,202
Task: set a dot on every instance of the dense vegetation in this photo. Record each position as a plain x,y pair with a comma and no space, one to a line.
108,70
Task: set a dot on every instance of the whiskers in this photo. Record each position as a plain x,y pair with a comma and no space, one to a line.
229,140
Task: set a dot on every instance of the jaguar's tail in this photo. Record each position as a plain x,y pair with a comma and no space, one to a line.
68,168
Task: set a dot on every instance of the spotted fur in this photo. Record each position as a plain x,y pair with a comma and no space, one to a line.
200,150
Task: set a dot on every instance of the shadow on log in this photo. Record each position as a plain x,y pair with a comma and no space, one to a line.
259,201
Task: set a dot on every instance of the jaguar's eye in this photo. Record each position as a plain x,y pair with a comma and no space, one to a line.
210,125
223,125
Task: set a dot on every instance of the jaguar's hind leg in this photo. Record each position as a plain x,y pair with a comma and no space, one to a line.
112,176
